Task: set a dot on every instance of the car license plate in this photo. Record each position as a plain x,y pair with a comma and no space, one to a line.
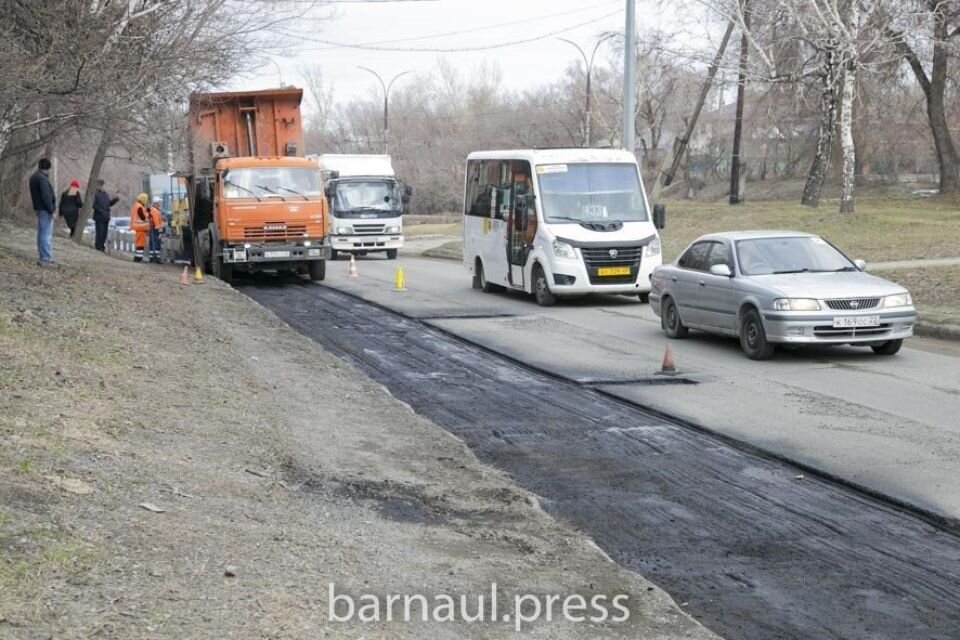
846,322
613,271
276,254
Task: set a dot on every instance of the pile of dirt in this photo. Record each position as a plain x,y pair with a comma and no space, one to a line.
178,463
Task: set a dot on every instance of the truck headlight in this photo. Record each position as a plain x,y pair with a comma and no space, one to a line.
343,231
563,250
653,249
393,229
796,304
307,243
898,300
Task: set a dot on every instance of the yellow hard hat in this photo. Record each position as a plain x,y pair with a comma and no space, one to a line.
142,198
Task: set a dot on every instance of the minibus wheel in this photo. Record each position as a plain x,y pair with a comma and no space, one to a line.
485,286
541,288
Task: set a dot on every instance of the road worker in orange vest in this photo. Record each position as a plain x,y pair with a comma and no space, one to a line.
140,223
156,224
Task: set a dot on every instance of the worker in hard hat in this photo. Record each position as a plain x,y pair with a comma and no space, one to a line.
156,224
140,223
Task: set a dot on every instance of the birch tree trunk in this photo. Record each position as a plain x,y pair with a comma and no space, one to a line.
849,169
820,166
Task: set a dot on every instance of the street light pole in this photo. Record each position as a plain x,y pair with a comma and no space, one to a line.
588,67
386,103
629,78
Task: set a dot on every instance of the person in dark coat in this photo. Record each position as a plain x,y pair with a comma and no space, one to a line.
102,202
70,205
45,206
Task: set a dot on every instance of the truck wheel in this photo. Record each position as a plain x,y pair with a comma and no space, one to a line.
318,270
391,254
222,270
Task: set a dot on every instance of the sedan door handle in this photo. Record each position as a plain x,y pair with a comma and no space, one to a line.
703,283
674,278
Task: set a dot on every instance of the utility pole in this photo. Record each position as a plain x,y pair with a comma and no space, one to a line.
630,78
588,67
736,164
386,103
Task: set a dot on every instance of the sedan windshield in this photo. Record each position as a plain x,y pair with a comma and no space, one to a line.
591,192
271,182
764,256
376,197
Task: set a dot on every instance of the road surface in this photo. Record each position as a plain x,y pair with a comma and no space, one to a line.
890,425
751,546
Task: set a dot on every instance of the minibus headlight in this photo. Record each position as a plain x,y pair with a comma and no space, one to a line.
393,229
653,249
563,250
343,231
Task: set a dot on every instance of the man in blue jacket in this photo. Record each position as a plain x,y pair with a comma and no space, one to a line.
45,205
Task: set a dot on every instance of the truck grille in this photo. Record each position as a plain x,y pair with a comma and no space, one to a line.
275,231
853,304
368,229
596,258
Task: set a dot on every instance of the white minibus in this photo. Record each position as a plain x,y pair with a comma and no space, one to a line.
559,222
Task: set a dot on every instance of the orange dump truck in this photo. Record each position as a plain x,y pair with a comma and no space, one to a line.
257,204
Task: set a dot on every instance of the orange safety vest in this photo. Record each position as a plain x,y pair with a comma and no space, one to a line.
156,218
140,224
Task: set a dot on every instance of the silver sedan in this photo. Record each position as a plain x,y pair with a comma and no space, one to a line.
779,287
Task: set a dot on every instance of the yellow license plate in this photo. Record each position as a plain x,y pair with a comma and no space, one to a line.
613,271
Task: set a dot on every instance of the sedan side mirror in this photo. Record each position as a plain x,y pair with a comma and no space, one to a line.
721,270
660,216
860,264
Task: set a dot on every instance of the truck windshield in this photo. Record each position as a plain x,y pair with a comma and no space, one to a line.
271,182
591,192
367,198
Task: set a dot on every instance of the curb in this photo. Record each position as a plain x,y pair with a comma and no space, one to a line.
933,330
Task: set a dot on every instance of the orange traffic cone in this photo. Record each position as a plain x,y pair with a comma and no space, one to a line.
668,368
353,267
185,276
399,283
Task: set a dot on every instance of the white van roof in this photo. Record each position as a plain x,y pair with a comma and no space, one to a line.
556,156
356,164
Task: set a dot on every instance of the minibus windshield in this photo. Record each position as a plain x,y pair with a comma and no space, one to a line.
591,192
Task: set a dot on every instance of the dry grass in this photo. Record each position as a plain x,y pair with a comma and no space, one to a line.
433,229
881,229
936,291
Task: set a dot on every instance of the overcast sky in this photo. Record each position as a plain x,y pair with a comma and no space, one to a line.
478,23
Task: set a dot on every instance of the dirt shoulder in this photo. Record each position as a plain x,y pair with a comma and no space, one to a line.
178,463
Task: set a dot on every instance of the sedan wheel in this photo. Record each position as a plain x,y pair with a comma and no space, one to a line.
671,322
888,348
753,337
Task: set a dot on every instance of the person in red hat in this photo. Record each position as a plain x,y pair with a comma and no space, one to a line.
70,205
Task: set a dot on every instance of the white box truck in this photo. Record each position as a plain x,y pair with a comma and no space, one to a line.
366,203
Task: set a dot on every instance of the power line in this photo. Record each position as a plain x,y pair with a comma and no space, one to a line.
476,29
500,45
